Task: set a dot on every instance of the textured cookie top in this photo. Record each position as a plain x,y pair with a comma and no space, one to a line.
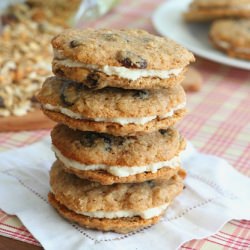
206,10
217,3
96,148
109,102
235,32
123,48
85,196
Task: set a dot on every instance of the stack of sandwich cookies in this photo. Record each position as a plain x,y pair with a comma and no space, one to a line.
118,165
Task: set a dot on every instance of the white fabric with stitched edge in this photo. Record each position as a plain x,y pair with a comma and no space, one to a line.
215,193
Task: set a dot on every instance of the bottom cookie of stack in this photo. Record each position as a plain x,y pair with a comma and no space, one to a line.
121,208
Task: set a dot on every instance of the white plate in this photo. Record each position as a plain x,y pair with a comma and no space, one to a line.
167,20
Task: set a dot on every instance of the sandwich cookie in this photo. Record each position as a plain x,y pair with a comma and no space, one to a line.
232,37
130,59
114,159
206,10
121,208
111,110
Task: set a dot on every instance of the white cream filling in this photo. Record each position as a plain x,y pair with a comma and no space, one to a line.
146,214
134,74
119,120
123,72
120,171
226,45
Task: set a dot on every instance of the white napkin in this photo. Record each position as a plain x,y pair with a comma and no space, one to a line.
215,193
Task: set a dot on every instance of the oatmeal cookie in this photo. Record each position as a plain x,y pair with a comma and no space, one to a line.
232,37
130,59
111,110
114,207
207,10
114,159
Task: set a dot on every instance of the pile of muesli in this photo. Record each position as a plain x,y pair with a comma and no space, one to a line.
25,55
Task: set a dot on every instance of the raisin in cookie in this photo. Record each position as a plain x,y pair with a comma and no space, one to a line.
111,208
232,37
111,110
205,10
130,59
114,159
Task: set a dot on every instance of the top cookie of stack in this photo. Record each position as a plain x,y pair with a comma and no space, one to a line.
129,59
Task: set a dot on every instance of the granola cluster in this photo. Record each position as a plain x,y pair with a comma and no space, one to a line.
25,55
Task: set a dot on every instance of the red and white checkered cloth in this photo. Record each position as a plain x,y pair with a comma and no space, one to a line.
218,123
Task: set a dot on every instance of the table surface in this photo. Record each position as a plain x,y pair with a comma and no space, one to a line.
218,123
